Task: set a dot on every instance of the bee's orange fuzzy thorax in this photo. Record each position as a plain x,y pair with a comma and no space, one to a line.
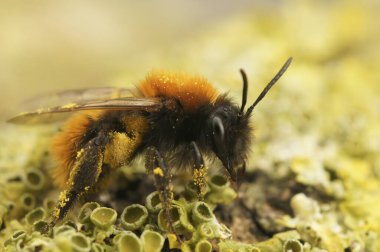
191,91
65,144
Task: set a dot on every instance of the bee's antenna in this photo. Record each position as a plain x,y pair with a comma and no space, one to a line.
269,86
245,91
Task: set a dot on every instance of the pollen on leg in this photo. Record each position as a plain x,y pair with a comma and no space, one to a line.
199,178
158,171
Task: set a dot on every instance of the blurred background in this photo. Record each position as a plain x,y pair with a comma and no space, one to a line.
47,46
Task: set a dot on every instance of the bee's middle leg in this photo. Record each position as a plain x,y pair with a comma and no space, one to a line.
154,163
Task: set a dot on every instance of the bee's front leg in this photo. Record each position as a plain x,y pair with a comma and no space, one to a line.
199,171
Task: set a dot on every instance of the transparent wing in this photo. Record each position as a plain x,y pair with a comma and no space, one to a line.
76,96
52,114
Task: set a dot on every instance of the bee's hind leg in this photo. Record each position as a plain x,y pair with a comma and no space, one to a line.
199,171
83,176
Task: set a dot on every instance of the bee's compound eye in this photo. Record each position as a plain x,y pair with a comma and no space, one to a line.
217,127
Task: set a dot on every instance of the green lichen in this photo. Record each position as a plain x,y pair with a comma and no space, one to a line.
34,179
153,202
103,217
152,241
86,211
35,215
129,242
134,217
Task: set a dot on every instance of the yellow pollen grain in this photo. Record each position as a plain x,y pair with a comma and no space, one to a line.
80,153
199,177
69,106
158,171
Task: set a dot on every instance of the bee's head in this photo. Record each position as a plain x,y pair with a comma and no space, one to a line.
230,135
229,128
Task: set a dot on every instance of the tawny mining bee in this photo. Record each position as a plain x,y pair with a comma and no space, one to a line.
173,113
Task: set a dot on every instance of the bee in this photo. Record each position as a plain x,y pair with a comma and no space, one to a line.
174,113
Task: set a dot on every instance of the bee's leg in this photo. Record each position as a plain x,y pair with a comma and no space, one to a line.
155,164
83,176
199,171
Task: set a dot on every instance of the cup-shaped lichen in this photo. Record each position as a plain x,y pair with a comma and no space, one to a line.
103,217
34,179
152,241
220,190
48,204
153,202
191,190
35,215
293,245
37,243
203,246
129,242
205,230
18,235
96,247
134,217
178,218
86,211
201,212
28,201
212,230
63,230
218,183
41,226
80,243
